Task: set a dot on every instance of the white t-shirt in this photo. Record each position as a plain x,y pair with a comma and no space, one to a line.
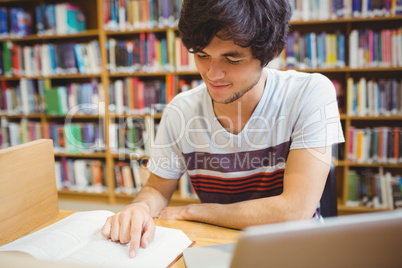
297,110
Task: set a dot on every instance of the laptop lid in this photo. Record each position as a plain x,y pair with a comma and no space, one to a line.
365,240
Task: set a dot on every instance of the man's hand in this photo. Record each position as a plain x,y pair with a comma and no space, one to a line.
134,224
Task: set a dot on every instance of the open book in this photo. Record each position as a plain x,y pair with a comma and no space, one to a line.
77,239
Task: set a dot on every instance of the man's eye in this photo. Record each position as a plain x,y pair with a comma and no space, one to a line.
233,61
202,56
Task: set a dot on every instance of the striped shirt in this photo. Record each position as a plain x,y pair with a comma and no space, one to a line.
297,110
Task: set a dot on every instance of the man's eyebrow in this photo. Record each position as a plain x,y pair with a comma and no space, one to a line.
234,54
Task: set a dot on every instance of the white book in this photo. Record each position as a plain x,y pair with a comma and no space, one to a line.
45,60
314,60
61,18
27,61
113,128
118,95
324,11
306,10
112,55
24,96
364,9
57,167
77,240
81,181
353,49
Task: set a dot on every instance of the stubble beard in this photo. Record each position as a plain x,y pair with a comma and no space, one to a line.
237,95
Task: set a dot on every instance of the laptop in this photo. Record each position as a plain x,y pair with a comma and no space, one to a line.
363,240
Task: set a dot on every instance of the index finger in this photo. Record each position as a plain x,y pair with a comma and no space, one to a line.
135,239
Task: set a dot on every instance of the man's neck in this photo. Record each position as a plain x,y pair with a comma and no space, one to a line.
235,115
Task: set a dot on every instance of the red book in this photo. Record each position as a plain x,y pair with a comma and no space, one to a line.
396,143
15,60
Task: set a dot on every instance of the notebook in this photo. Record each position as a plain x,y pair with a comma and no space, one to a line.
364,240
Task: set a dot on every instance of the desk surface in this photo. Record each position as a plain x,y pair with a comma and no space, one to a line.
202,234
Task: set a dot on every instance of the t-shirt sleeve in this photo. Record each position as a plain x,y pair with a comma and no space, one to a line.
318,122
166,159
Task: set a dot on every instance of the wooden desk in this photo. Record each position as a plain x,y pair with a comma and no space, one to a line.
202,234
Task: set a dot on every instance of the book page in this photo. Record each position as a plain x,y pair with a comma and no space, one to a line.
77,239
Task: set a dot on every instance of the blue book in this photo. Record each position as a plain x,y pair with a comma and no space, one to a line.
356,8
80,58
341,50
39,19
164,53
20,22
50,19
399,11
163,93
53,59
3,22
309,52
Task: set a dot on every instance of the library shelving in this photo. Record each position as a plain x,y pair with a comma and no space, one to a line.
119,26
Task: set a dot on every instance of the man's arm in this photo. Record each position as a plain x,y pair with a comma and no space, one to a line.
135,224
304,180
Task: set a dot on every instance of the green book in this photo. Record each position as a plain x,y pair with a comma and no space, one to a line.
56,101
73,136
7,58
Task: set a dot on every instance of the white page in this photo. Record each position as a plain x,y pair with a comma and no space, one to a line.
77,239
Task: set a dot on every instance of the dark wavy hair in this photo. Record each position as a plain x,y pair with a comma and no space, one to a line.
261,25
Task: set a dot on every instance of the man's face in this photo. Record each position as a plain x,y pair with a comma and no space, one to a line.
229,71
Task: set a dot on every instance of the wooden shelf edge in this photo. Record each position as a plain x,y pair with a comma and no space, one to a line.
33,37
345,20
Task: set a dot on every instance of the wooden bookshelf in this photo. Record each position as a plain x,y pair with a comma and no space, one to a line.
94,12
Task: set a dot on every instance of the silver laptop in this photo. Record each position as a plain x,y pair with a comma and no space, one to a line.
365,240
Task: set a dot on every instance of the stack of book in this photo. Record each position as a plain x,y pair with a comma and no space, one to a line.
131,136
376,190
80,175
50,59
375,145
123,15
333,9
15,133
312,50
75,138
148,53
372,97
21,98
370,48
74,99
60,19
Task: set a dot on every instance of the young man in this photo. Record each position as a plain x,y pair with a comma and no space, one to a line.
256,142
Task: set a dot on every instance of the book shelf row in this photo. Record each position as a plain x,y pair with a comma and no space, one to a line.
49,19
30,97
50,59
150,53
89,176
375,145
136,97
367,49
376,189
332,9
121,15
372,97
72,138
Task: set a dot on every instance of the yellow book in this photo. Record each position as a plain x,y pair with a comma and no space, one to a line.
350,96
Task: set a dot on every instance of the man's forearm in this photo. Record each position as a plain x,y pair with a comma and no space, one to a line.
247,213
